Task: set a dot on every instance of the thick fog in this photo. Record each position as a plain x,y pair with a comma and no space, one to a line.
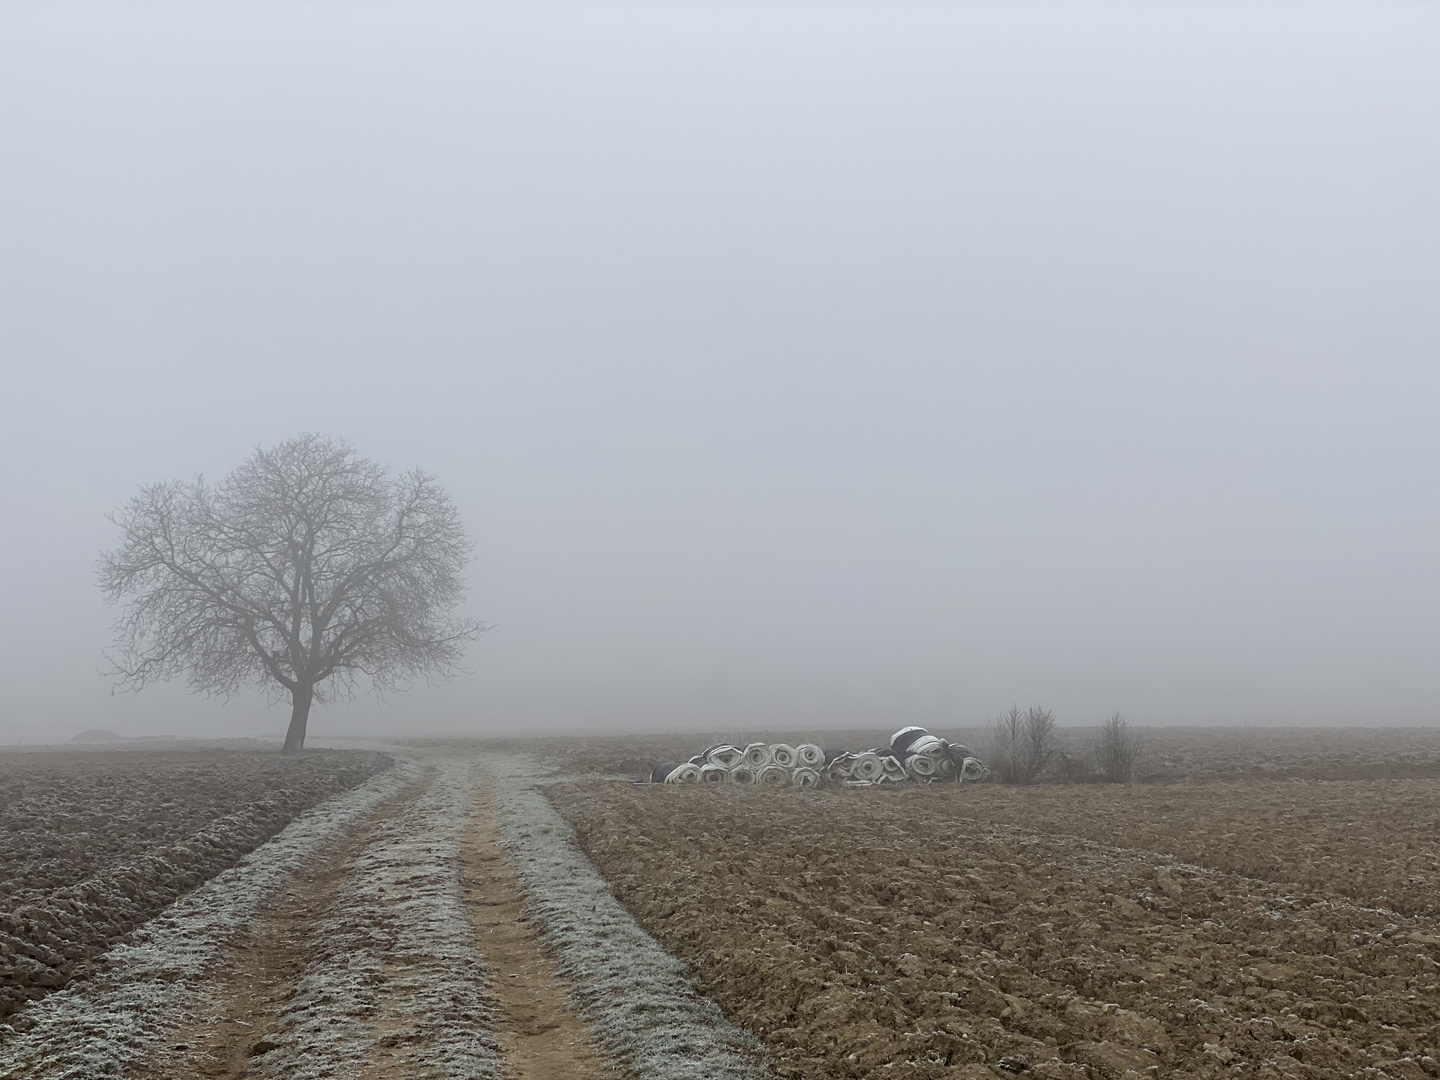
791,364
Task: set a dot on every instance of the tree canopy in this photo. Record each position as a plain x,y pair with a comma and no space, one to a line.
309,571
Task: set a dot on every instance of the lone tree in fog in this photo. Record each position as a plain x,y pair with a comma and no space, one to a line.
309,571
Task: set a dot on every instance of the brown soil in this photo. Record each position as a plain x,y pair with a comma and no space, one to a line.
92,844
935,932
256,973
542,1038
1376,842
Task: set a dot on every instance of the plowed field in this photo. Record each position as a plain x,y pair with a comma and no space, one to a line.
92,844
1207,930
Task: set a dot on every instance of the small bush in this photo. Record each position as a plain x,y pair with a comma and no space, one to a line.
1116,751
1022,744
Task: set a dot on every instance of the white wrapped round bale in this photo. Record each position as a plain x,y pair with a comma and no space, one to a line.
727,757
684,774
773,776
804,777
921,765
867,766
809,755
783,754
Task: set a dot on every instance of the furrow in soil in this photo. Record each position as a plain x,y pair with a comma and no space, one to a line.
115,1021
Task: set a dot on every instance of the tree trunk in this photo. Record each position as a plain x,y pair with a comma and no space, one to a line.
299,713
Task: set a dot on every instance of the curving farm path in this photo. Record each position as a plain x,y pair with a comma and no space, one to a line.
435,923
400,951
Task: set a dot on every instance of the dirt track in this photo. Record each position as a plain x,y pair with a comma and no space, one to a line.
259,1021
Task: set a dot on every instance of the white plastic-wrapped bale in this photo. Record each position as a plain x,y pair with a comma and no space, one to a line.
714,774
757,755
921,766
927,745
901,741
972,769
684,774
726,756
804,777
783,754
773,776
742,774
867,766
810,756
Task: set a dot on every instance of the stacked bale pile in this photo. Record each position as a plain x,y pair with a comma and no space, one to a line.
913,756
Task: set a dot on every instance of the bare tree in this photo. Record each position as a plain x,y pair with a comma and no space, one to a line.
1022,745
309,571
1040,742
1116,751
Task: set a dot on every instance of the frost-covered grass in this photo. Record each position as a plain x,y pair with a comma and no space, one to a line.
396,977
640,1001
152,983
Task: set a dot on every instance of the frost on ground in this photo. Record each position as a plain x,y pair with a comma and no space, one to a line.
640,1000
94,845
397,979
150,984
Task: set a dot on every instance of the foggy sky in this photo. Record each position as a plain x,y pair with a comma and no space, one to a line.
791,364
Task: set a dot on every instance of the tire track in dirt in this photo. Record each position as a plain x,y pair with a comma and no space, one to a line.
257,973
541,1038
377,962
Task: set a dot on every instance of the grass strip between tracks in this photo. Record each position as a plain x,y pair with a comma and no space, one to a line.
640,1000
398,984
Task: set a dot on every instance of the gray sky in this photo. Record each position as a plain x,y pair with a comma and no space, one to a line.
792,364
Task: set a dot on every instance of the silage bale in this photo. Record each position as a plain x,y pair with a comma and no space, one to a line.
894,768
773,776
810,756
928,745
757,755
684,774
973,769
783,754
804,777
839,765
661,772
921,766
900,742
725,755
742,774
867,766
714,774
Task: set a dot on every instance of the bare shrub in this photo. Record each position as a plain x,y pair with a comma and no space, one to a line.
1022,744
1116,751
